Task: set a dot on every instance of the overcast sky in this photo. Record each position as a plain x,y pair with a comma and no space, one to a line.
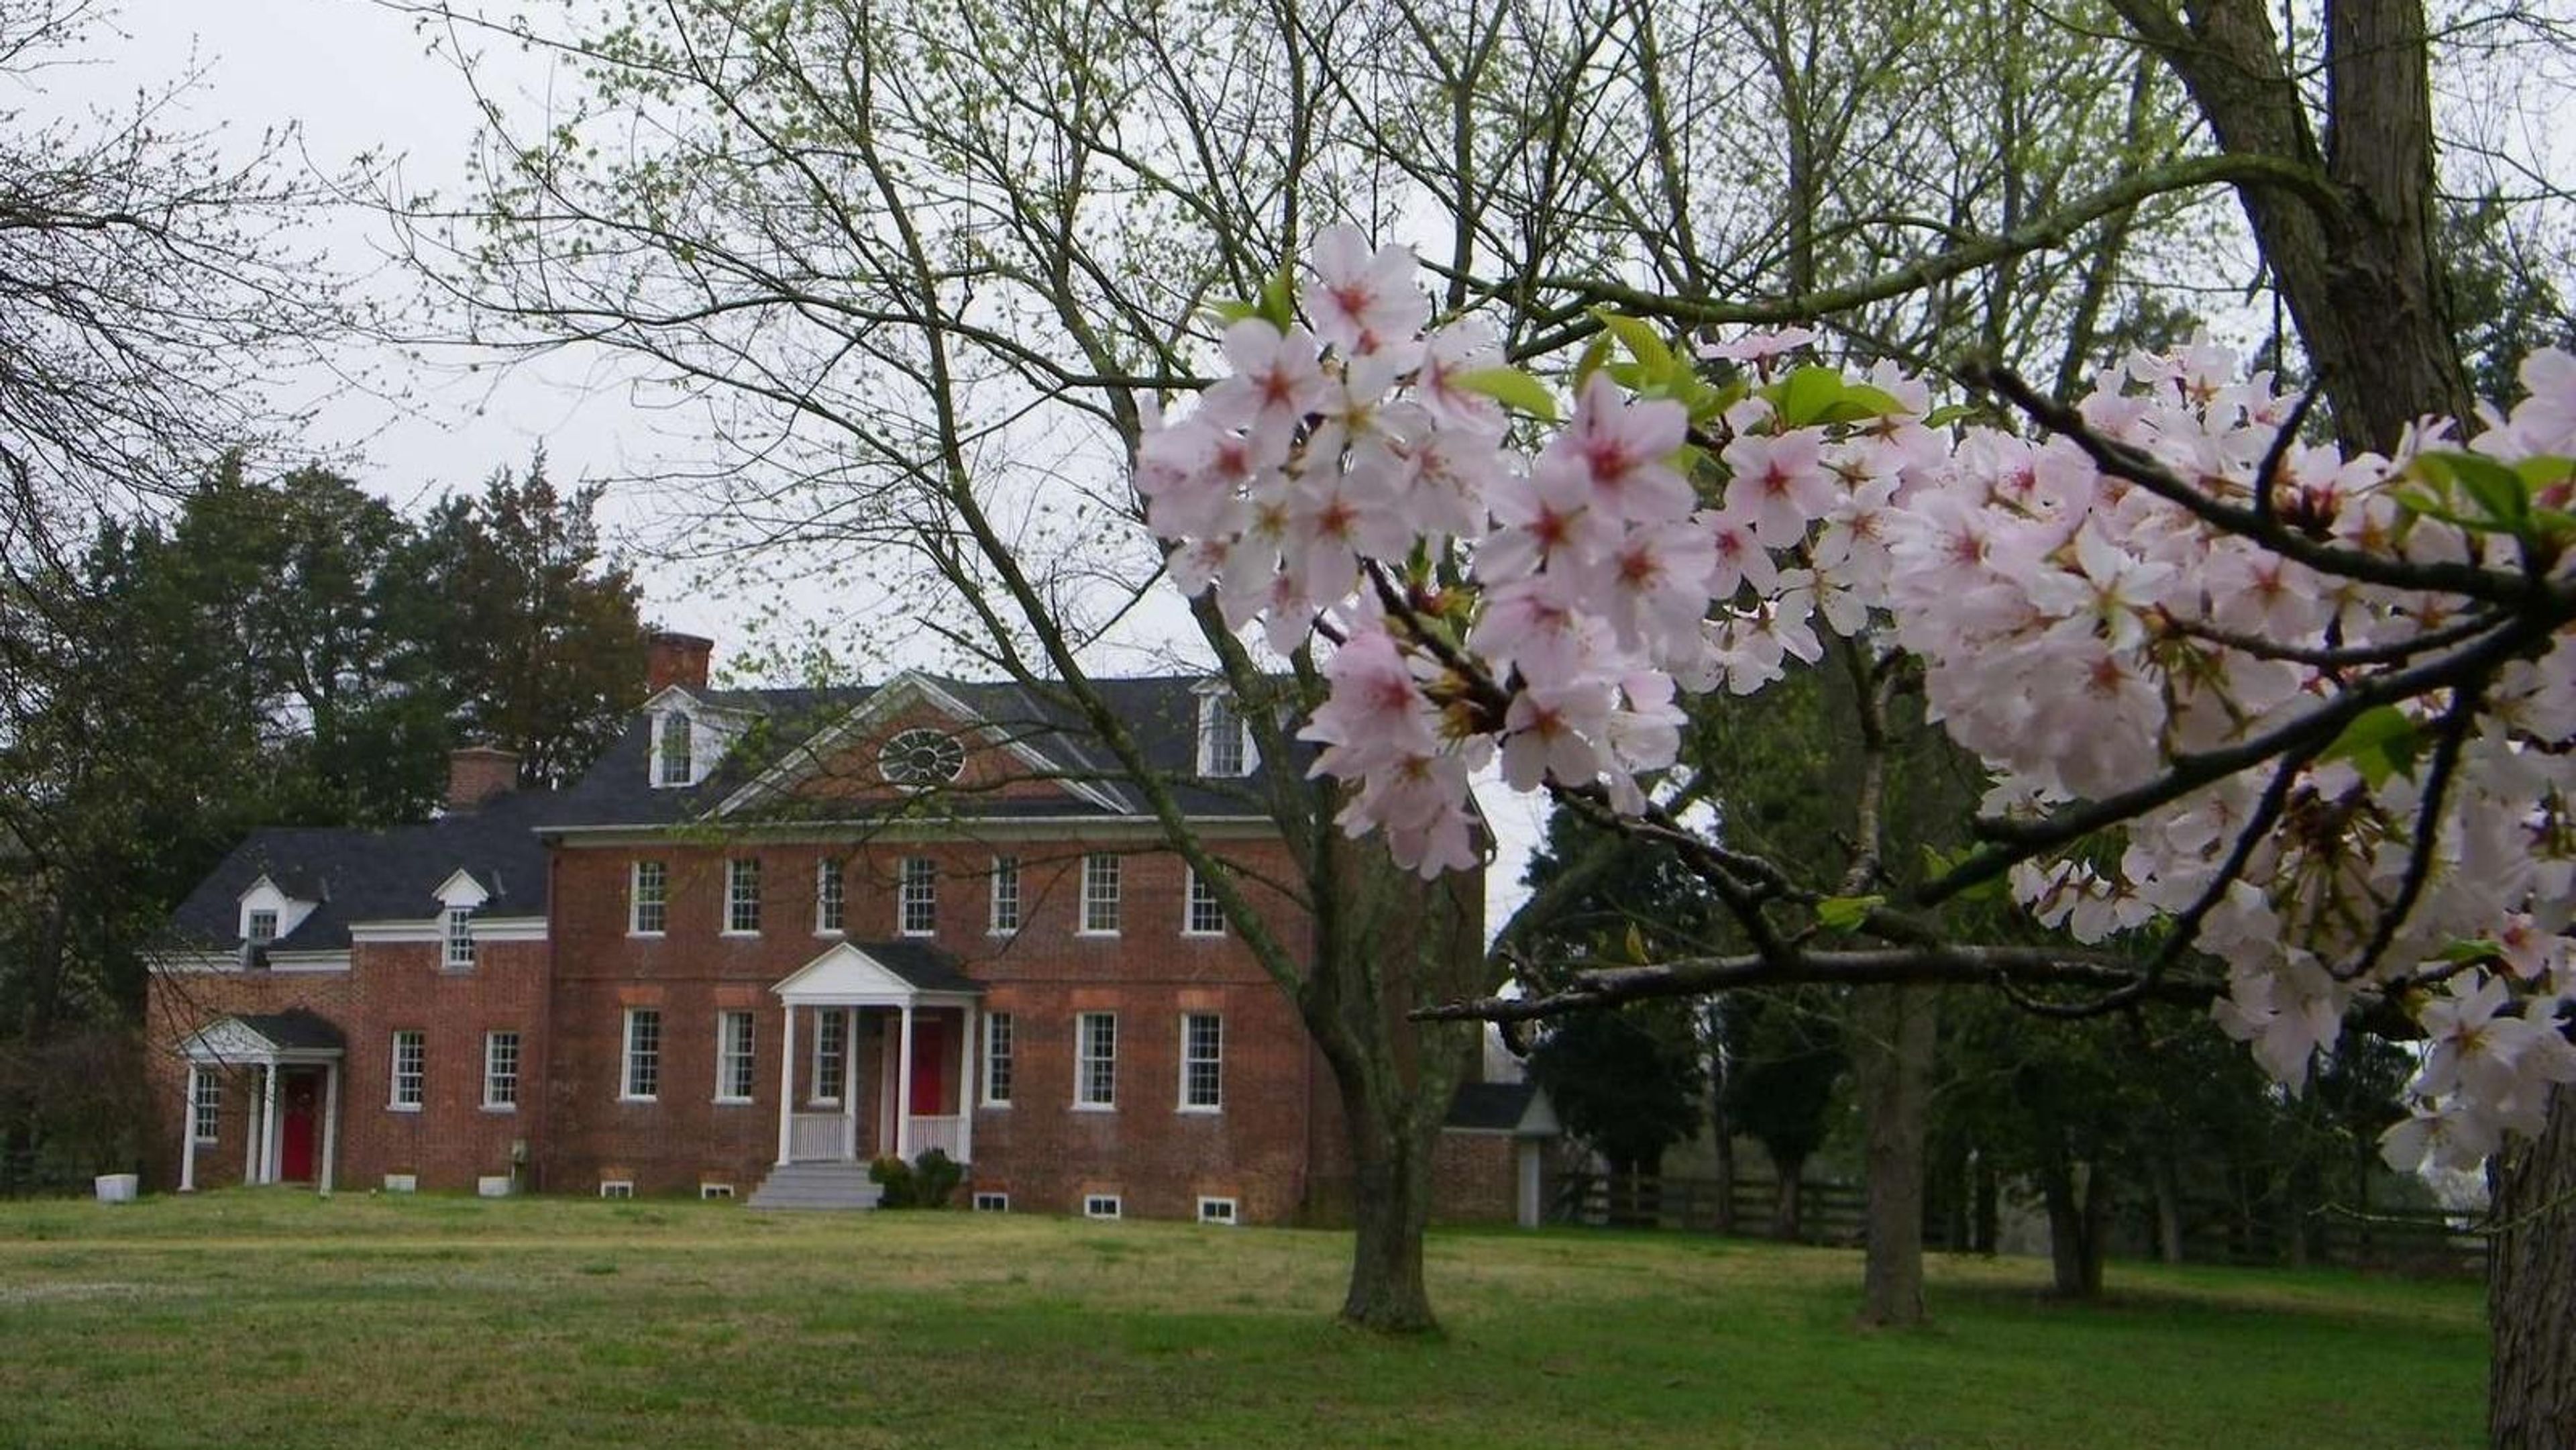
354,78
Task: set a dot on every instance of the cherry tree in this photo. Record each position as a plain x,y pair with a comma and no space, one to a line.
2270,726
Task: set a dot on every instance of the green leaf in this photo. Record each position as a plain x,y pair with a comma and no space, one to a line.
2380,742
1279,298
1513,389
1596,353
2470,949
1943,417
1804,396
1643,343
1846,913
1231,312
2503,494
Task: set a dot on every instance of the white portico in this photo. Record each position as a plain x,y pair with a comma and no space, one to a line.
294,1060
926,1008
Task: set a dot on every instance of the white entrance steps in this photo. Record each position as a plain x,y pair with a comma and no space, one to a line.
818,1186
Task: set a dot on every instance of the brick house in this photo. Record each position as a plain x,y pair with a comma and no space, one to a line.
770,936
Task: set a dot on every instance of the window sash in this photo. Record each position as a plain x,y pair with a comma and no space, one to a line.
651,909
460,937
1096,1068
917,909
205,1105
642,1078
1202,1060
998,1066
1006,895
1206,917
262,928
677,752
1221,738
1100,894
500,1069
831,896
742,894
411,1069
830,1062
735,1073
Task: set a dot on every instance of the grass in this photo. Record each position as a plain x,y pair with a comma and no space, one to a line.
270,1317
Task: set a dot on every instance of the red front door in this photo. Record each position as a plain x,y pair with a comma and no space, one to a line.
929,1041
300,1107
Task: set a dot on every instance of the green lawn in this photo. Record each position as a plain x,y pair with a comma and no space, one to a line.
270,1318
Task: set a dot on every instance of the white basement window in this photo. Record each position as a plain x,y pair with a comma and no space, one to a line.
1101,1205
1217,1211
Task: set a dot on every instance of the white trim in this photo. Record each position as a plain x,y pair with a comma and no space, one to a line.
626,1057
1093,1206
993,879
264,894
1121,827
845,976
734,896
394,1072
617,1188
509,928
814,1068
459,889
990,1203
1113,896
371,933
834,872
201,1079
709,1192
1082,1059
903,900
635,897
1181,1099
726,1057
1233,1211
1190,905
1010,1029
1212,693
518,1056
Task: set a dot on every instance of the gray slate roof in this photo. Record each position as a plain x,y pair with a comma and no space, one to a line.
926,967
295,1030
391,875
1491,1107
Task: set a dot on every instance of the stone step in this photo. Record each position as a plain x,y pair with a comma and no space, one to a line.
818,1186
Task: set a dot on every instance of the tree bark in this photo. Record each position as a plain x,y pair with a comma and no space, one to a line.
1788,1204
2531,1288
1390,1206
2168,1190
2075,1200
1892,1061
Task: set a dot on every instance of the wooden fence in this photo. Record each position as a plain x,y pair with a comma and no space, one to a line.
2423,1241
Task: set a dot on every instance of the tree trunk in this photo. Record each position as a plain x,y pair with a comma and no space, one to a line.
1721,1129
1788,1206
1990,1211
2166,1180
2073,1193
1892,1061
1390,1206
2531,1288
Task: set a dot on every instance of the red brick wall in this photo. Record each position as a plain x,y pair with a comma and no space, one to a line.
451,1140
1474,1178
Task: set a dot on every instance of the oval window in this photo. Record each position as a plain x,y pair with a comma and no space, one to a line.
921,757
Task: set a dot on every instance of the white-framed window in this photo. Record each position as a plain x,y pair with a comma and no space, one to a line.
992,1203
733,1057
261,929
1095,1068
1101,1205
411,1071
711,1191
648,909
1100,894
1202,1062
998,1031
1218,1211
641,1079
831,1049
831,897
742,896
1224,750
676,758
501,1070
617,1188
917,897
460,939
205,1105
1006,895
1205,917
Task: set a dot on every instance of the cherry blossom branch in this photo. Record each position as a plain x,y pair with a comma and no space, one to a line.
2512,590
2438,775
1598,987
2396,651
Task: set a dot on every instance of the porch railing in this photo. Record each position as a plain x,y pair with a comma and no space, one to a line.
818,1138
942,1133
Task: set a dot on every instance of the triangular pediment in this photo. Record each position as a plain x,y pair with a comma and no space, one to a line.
230,1040
846,976
839,761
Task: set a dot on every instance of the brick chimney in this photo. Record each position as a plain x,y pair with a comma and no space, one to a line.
477,773
676,659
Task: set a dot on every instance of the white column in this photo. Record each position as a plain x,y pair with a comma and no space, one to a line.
903,1091
787,1085
268,1128
330,1129
967,1088
252,1132
850,1083
188,1134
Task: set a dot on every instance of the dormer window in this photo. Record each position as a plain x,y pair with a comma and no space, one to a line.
460,939
675,763
1225,747
261,928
